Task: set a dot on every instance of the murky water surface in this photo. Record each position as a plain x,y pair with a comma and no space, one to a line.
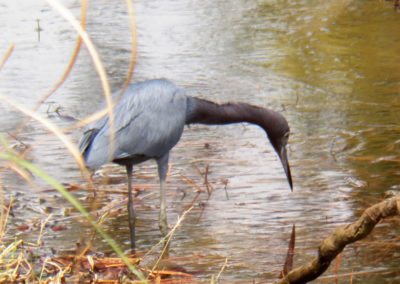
331,67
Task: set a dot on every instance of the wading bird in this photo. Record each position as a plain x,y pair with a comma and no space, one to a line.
148,122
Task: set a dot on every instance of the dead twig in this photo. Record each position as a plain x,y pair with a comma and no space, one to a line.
225,182
290,253
209,187
332,152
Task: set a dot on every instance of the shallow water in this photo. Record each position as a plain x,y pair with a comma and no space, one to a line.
330,68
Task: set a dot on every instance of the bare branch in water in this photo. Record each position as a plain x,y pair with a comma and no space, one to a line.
342,236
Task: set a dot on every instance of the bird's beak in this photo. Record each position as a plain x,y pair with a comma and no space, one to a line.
285,163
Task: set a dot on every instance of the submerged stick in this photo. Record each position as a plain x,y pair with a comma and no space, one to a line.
342,236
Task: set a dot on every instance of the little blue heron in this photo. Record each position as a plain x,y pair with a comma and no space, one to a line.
148,122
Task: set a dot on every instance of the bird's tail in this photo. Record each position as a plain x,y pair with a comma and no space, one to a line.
86,141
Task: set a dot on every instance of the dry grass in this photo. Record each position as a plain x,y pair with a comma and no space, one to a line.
15,255
28,262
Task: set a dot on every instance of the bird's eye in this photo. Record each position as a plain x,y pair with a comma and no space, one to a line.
286,134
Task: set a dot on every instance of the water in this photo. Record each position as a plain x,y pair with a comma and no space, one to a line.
330,68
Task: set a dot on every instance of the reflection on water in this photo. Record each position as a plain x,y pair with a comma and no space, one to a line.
330,67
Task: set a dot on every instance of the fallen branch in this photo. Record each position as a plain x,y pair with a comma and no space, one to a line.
342,236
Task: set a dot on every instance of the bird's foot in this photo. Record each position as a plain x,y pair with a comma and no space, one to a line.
163,225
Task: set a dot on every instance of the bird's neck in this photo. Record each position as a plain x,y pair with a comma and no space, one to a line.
206,112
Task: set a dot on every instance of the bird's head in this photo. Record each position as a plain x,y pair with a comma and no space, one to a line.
278,131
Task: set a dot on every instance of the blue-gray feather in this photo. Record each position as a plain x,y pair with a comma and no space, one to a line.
148,121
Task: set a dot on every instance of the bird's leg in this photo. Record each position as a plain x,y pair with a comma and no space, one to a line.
162,173
163,222
131,208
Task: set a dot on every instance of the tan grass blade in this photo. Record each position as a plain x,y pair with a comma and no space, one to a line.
132,24
67,70
52,128
89,119
96,60
72,61
167,239
222,269
6,55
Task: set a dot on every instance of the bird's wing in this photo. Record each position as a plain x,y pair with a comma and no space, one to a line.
148,120
155,125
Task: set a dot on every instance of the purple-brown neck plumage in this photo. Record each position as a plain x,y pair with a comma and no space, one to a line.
274,124
206,112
